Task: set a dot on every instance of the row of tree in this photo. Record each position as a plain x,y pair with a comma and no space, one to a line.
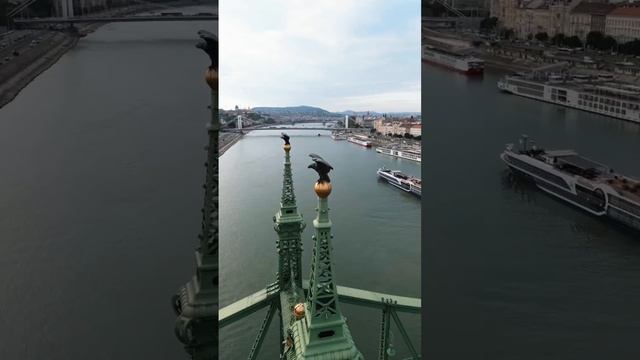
595,40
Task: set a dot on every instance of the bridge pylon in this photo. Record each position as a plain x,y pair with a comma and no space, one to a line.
289,227
196,303
323,332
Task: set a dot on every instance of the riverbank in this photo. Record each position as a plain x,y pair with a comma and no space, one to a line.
34,64
503,64
226,140
28,66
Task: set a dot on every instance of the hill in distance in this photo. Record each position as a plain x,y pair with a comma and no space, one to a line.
316,111
293,110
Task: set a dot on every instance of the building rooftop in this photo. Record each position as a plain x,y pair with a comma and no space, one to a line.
536,5
626,11
593,8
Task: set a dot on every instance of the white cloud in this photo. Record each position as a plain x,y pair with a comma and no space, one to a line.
356,54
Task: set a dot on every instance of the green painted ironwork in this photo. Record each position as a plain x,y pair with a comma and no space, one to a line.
262,332
289,227
383,351
196,303
328,336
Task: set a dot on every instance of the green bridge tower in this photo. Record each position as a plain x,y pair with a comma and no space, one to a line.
323,332
289,227
196,303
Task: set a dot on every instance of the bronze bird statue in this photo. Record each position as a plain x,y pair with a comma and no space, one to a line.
286,138
322,167
209,44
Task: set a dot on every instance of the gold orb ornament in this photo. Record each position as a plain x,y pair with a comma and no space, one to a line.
322,189
298,311
211,76
287,147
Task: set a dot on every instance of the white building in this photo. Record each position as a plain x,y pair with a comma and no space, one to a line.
623,23
415,130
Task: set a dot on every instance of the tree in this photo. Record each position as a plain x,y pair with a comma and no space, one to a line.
631,47
573,41
558,39
608,43
488,24
594,39
542,36
4,9
506,33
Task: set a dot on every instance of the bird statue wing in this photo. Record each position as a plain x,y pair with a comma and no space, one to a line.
209,44
324,162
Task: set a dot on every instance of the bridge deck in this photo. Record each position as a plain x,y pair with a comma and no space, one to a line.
374,299
244,307
101,19
348,295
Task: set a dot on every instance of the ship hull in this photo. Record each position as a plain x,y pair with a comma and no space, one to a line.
468,72
400,184
571,102
398,154
569,195
362,143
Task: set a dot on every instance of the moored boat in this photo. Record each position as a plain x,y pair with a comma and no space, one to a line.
584,183
338,136
598,95
360,140
401,153
465,64
401,180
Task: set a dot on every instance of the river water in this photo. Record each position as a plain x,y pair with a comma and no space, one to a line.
376,230
101,162
511,273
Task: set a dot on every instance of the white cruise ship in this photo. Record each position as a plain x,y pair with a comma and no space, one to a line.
458,62
598,95
401,180
360,140
338,136
591,186
401,153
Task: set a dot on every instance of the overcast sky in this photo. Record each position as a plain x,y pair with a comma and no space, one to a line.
336,54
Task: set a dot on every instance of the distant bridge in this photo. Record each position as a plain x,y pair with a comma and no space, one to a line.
295,128
245,130
109,19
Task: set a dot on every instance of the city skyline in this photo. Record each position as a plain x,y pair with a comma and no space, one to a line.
322,55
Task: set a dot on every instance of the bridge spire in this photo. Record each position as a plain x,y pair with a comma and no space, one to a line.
327,333
196,304
289,226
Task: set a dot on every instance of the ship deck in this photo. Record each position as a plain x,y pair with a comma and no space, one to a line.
627,187
569,161
612,89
